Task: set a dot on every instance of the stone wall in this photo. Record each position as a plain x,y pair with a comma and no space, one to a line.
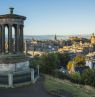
18,78
14,66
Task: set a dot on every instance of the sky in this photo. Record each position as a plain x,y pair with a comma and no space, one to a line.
50,17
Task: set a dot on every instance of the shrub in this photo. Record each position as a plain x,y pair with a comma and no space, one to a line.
76,77
88,77
61,75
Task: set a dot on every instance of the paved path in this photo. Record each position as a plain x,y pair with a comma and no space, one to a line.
35,90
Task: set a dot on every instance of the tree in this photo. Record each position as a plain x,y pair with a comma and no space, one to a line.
79,60
76,77
34,62
49,63
63,59
88,77
69,66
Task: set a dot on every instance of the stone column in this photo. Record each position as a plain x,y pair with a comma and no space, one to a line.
32,75
3,39
0,39
17,39
25,47
10,80
10,41
21,39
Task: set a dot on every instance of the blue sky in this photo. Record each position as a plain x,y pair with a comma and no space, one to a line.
49,17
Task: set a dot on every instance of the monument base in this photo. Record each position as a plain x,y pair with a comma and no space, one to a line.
15,70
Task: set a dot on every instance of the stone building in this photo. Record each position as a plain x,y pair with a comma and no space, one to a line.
93,39
90,60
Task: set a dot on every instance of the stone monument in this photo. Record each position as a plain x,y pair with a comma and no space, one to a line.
14,64
9,21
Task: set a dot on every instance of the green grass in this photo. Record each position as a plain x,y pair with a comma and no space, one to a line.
54,84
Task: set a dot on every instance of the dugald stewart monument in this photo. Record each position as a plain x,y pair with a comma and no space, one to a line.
14,64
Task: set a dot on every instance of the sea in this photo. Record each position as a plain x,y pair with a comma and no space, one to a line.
51,37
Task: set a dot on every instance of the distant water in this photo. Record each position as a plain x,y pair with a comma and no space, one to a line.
51,37
45,37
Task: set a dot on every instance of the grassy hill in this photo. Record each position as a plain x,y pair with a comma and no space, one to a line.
55,84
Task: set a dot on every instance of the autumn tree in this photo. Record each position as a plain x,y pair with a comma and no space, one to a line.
79,60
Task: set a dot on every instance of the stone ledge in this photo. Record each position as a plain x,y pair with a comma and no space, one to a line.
12,58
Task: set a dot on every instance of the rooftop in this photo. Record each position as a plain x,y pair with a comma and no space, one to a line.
12,15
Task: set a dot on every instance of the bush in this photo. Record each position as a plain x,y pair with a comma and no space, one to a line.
49,63
61,75
76,77
88,77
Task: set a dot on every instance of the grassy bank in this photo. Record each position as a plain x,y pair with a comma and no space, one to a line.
54,84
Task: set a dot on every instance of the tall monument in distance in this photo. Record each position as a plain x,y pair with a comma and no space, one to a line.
93,39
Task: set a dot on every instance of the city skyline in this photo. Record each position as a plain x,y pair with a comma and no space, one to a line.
49,17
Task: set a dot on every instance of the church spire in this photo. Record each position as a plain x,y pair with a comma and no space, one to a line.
55,38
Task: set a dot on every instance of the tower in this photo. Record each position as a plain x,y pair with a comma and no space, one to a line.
93,39
55,37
